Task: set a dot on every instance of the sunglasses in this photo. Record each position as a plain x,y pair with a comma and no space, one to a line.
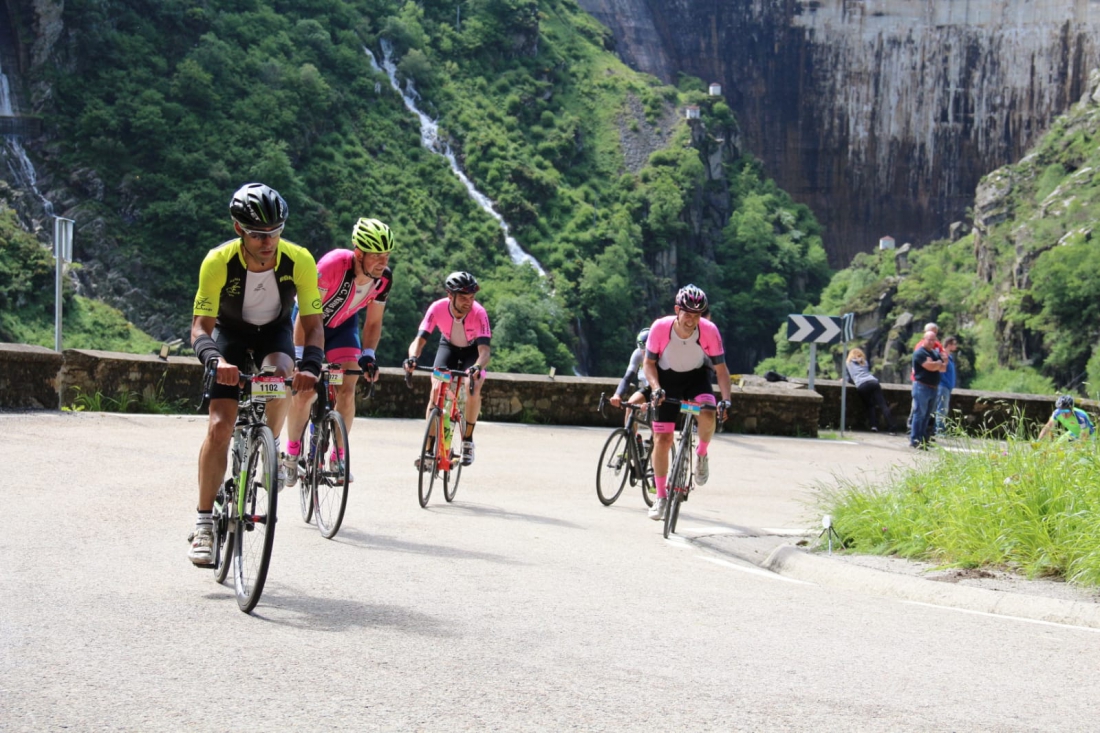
263,235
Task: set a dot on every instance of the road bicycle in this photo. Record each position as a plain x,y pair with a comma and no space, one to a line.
447,413
245,506
625,456
681,479
323,476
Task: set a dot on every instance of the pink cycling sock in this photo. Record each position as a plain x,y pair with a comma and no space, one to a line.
294,447
662,486
702,449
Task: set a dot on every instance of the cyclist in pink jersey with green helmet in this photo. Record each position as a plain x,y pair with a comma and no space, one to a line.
464,331
676,366
350,280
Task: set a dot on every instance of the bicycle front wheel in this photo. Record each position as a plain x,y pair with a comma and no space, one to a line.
613,468
678,481
451,476
330,474
426,464
255,533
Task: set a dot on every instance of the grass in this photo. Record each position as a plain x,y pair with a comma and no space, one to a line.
151,402
1019,505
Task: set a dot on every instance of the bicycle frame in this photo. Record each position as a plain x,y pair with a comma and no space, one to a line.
681,476
251,408
450,388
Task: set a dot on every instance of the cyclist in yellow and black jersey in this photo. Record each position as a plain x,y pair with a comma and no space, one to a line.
246,292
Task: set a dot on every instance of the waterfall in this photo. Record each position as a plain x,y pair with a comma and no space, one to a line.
429,138
18,163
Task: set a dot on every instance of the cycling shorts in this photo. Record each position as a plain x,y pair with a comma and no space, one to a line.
342,342
693,386
448,356
234,345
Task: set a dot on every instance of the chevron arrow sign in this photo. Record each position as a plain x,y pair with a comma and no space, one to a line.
814,329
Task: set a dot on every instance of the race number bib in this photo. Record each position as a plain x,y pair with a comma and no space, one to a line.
270,387
442,376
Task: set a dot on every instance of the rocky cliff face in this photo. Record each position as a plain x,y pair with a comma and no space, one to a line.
881,115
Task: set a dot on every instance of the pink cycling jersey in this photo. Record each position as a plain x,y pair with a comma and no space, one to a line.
341,298
687,354
475,325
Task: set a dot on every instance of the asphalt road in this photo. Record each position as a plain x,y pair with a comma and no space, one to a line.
525,605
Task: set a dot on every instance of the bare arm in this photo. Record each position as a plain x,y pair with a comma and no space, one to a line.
650,368
372,326
483,352
723,373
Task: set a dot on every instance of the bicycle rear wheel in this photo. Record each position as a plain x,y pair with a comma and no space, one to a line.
426,464
255,533
613,468
451,476
330,475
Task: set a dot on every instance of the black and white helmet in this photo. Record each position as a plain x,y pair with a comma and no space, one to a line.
256,206
1065,402
461,282
691,299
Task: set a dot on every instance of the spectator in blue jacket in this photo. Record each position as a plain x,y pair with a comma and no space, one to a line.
947,383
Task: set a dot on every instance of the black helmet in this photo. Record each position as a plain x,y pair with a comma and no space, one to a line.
692,299
1065,402
461,282
643,335
256,206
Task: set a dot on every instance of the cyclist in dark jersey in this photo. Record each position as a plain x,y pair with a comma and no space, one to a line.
246,292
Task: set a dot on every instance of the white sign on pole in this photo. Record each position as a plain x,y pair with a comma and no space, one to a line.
63,253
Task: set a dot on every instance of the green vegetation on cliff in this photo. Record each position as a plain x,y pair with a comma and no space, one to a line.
158,110
1022,290
27,291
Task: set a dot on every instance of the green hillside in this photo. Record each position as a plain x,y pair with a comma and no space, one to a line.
157,111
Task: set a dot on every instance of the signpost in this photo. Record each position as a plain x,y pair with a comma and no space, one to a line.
805,328
62,252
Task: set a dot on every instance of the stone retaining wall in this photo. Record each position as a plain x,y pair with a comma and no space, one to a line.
35,378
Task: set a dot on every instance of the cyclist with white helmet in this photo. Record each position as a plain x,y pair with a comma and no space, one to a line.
676,366
350,281
464,340
1074,422
247,288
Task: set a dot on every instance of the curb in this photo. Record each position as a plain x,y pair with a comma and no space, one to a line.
792,562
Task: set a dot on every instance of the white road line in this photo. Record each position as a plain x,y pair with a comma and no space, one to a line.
1005,616
752,570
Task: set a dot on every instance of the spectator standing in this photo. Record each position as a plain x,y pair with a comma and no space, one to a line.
928,366
947,383
869,389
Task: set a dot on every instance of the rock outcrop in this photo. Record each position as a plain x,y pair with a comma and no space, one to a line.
881,115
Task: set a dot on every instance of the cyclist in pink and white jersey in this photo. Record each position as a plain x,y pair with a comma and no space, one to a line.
676,366
350,280
464,344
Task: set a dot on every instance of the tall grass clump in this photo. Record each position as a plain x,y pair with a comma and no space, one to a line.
1024,506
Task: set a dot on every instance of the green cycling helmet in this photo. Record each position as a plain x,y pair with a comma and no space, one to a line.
372,236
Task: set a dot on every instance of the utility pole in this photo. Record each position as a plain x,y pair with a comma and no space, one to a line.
63,253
